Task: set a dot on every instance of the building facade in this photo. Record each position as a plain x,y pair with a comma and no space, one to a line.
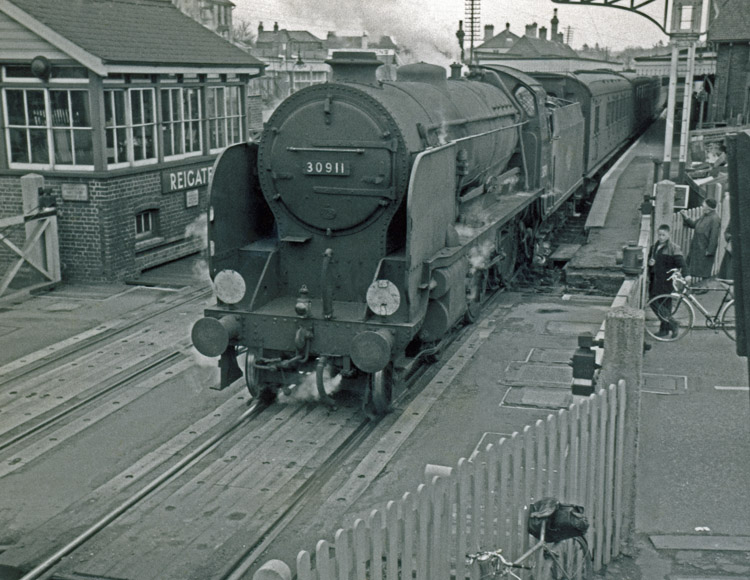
535,51
215,15
123,108
729,34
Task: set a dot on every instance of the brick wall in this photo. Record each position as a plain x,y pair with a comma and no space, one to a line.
97,237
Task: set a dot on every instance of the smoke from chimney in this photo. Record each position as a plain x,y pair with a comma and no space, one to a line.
420,34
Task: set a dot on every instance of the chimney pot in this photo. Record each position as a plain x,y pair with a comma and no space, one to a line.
489,32
260,27
543,33
531,30
275,26
507,26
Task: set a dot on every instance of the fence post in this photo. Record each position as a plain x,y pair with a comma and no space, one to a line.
623,360
30,184
273,570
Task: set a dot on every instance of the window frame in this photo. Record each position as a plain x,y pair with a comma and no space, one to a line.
153,224
50,127
130,126
182,122
213,118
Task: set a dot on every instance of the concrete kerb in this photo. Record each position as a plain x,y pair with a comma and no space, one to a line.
608,183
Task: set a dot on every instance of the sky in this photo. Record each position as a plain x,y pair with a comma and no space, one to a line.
428,26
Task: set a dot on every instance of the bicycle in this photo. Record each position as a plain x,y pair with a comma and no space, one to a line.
669,317
568,559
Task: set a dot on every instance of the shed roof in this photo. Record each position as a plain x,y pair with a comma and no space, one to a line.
133,32
732,23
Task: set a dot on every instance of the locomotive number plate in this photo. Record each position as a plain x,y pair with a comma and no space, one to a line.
326,168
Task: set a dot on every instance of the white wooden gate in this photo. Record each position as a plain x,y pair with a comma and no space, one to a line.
40,249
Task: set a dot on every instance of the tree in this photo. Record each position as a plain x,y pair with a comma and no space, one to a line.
243,32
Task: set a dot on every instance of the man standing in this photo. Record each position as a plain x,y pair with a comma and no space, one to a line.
700,260
663,256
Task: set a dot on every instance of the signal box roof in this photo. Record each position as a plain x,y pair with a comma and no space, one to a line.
146,33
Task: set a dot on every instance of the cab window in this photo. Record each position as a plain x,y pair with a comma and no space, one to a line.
526,99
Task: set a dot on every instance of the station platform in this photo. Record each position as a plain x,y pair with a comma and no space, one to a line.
615,219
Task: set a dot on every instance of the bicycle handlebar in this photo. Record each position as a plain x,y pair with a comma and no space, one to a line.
487,555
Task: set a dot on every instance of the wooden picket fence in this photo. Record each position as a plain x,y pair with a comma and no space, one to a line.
575,455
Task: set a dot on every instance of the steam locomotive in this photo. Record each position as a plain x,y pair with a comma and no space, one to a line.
372,217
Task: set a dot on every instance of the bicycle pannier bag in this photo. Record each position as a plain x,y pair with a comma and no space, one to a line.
564,520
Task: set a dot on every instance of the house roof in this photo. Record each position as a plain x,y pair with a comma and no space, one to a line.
538,47
384,42
732,23
129,32
503,40
284,35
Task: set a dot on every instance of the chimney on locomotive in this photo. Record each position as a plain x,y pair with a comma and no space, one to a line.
354,67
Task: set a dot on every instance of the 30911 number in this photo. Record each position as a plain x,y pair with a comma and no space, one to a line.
326,168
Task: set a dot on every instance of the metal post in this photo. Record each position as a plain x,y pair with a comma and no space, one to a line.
687,103
671,97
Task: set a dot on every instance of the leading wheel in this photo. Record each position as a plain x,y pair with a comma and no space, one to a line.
570,560
668,317
381,389
728,320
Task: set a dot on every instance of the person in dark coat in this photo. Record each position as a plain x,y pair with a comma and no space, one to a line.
726,270
700,260
663,256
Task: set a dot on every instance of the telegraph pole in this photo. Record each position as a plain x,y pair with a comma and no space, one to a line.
472,9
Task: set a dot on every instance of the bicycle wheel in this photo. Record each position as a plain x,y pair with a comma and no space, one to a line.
571,560
728,320
668,317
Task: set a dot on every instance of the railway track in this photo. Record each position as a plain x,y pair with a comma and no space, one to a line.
40,392
162,480
155,481
352,437
75,346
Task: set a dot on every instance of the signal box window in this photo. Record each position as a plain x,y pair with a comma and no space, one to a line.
224,117
49,128
181,127
146,224
131,126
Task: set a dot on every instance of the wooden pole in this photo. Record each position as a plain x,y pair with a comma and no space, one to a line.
671,98
623,360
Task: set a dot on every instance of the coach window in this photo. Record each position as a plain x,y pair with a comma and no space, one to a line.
181,130
224,116
48,128
596,120
130,127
